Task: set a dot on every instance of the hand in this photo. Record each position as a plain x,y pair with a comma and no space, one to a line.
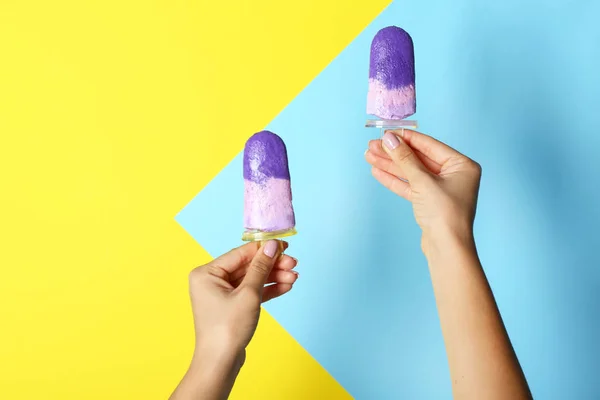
442,186
226,296
227,292
441,183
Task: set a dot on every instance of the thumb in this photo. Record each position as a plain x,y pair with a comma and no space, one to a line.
402,155
261,266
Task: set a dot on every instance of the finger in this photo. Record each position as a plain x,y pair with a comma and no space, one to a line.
375,147
430,147
403,156
385,164
284,263
236,258
281,276
434,167
276,275
394,184
261,266
276,290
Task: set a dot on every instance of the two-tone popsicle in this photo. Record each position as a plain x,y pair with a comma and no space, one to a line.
268,210
391,93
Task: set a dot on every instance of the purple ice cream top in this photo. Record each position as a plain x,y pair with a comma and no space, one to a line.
392,58
392,75
265,156
267,189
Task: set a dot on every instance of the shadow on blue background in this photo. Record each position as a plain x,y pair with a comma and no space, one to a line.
515,87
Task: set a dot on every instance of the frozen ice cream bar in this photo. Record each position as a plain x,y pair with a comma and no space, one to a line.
268,211
392,75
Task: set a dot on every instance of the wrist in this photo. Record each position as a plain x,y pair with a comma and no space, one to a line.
211,374
443,241
216,354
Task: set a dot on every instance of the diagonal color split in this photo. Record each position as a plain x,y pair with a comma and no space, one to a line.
363,306
111,119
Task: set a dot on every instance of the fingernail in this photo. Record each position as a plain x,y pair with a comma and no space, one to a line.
390,141
296,273
366,151
270,248
399,132
295,259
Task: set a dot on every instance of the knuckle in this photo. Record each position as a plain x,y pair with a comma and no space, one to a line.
216,270
426,150
238,256
196,274
467,164
474,166
261,266
404,156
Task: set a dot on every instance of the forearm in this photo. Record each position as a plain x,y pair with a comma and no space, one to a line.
211,376
481,358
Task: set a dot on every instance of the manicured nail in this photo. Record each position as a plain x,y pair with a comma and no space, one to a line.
366,151
296,272
390,141
399,132
270,248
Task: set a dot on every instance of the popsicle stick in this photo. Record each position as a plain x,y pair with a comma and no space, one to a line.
280,244
253,236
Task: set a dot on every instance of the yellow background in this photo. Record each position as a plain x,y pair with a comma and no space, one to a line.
113,115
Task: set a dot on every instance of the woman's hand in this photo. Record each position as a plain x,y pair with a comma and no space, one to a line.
441,183
227,292
226,296
442,186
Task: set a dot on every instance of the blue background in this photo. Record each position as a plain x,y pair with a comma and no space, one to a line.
514,86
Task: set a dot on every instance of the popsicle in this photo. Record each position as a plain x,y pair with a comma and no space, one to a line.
392,75
268,210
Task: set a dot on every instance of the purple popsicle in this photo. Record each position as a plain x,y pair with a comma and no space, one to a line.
268,194
392,75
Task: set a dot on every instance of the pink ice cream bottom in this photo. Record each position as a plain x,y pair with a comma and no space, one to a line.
268,205
390,104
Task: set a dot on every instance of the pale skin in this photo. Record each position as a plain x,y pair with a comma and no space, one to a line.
442,186
226,296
